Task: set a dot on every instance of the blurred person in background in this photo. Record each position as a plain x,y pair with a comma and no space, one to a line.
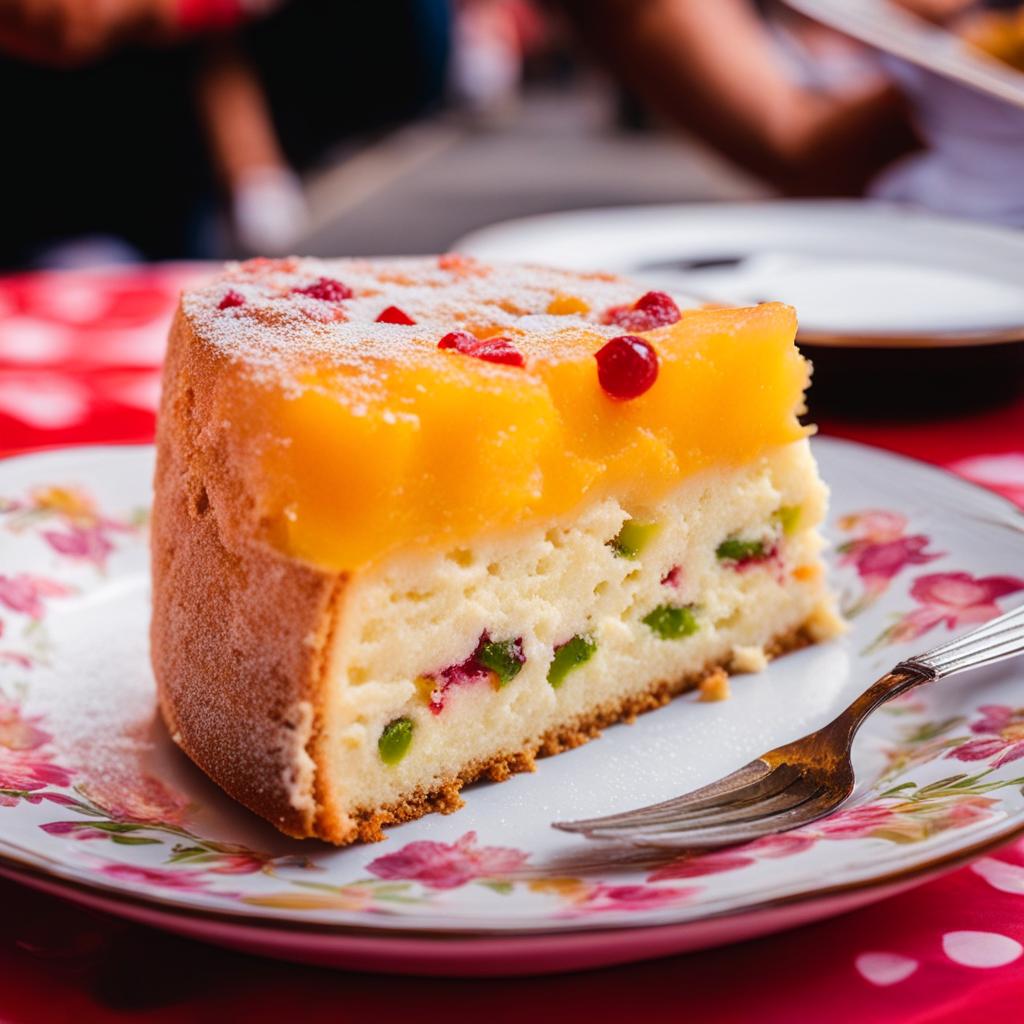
719,71
491,39
810,111
126,118
972,160
113,109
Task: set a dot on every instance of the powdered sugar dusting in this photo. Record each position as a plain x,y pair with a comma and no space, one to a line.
281,333
104,725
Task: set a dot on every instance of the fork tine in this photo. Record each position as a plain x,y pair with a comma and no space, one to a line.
774,784
750,784
725,835
756,794
707,796
788,799
768,786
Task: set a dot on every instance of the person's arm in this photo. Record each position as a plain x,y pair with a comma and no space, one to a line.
267,204
74,32
712,68
939,11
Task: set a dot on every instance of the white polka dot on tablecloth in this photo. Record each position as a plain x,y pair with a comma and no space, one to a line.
882,968
29,341
1001,875
981,949
139,390
45,401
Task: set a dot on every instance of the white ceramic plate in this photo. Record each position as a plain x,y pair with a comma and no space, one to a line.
97,803
850,267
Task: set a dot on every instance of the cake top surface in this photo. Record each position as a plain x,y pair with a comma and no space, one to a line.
370,406
436,291
282,317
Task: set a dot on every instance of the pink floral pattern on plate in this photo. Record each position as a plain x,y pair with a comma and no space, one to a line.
74,526
1001,736
67,520
953,599
879,550
602,898
448,865
26,594
26,767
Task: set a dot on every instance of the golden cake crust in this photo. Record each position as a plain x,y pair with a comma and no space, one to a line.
239,633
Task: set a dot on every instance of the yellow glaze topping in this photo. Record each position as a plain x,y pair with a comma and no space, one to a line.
438,447
563,305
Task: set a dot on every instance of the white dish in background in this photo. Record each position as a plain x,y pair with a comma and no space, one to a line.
850,267
97,803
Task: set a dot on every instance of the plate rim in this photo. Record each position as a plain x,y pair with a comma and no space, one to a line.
908,877
846,206
875,338
39,875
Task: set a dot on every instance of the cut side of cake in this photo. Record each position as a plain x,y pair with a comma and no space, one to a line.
420,521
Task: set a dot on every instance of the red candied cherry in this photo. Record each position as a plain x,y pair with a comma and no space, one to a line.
491,350
658,306
626,367
394,315
499,350
653,309
327,289
500,660
673,578
231,298
461,341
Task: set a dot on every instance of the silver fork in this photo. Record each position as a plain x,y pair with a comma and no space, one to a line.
802,781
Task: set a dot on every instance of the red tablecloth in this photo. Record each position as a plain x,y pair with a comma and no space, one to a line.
79,359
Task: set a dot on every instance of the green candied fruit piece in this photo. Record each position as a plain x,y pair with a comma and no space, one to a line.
394,741
634,537
568,656
788,517
736,550
503,657
671,621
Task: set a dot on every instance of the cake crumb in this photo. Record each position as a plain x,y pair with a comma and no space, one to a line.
748,658
825,622
715,686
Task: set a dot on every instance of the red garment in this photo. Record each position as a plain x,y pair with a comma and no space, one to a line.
203,15
79,363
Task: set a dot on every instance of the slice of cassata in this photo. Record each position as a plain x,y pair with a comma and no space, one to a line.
421,520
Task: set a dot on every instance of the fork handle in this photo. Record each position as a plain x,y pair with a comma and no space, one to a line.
999,638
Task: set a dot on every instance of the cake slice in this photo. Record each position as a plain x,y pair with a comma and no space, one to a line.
420,521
